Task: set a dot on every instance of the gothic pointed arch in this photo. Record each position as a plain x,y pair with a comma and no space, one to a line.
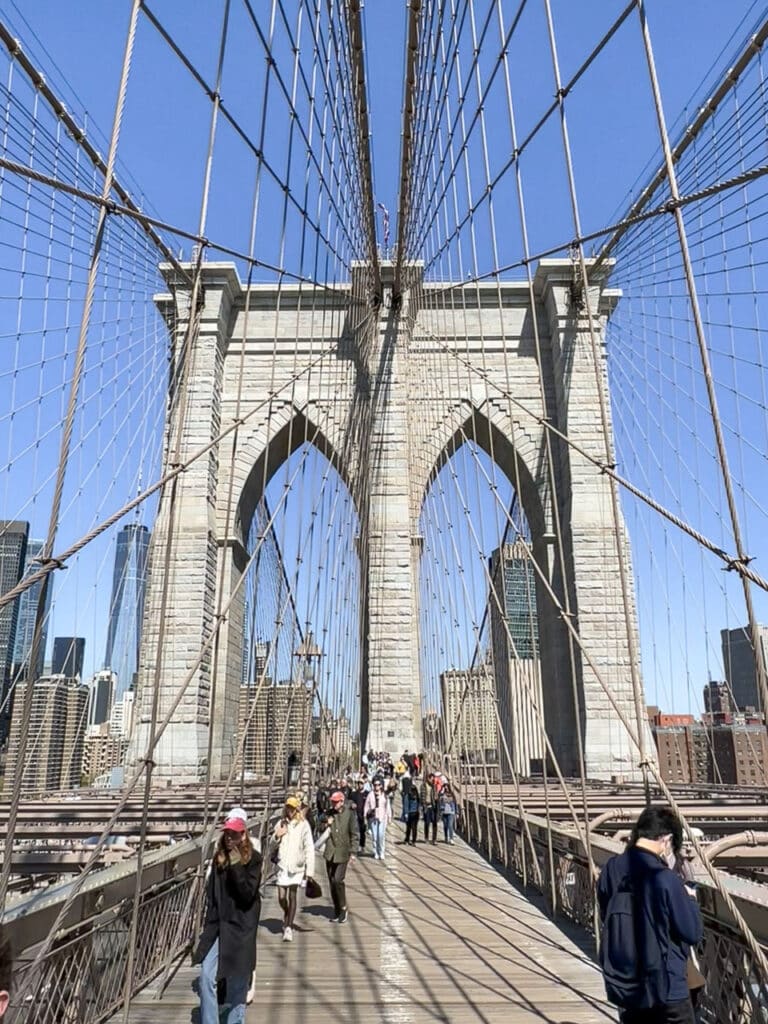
262,454
518,453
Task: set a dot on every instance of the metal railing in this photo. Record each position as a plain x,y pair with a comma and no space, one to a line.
734,992
83,977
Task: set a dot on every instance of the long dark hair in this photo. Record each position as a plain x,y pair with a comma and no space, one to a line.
6,963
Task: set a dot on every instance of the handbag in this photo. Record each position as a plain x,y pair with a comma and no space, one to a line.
313,889
274,855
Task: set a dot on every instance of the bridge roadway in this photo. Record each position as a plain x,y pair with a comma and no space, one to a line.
434,934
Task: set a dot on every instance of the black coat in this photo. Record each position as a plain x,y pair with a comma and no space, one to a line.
232,917
358,798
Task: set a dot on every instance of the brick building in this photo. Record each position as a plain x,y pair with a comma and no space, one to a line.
727,747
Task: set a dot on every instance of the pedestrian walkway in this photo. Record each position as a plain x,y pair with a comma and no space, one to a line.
434,934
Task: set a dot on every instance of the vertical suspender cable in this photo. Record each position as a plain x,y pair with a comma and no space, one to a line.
621,554
66,441
701,339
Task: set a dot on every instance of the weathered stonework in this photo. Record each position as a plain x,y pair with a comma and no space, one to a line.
380,406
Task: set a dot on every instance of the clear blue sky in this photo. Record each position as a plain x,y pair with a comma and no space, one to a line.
79,44
166,130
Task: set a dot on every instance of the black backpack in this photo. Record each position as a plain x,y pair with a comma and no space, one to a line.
619,959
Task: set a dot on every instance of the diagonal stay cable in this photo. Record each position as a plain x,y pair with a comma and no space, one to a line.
58,561
66,440
732,563
207,644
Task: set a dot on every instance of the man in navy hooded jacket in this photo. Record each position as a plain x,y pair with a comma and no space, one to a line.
651,920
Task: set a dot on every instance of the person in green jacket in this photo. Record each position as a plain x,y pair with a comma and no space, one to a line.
343,839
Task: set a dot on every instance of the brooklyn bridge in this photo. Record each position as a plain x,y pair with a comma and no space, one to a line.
380,380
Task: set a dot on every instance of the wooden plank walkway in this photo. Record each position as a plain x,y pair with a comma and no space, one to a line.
434,934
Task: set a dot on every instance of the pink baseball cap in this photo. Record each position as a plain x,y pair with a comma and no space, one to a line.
234,825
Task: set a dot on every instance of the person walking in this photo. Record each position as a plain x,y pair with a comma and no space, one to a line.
411,804
358,799
447,807
406,782
429,804
390,788
650,921
227,946
341,842
295,860
696,980
323,800
378,813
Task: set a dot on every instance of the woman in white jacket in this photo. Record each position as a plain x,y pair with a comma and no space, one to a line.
295,861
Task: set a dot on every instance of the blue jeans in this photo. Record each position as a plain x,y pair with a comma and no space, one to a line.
378,835
237,991
448,826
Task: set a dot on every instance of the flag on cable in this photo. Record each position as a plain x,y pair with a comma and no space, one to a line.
385,222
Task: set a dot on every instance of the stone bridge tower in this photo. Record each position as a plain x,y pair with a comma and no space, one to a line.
303,369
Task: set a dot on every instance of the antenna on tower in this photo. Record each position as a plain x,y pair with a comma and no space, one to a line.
137,510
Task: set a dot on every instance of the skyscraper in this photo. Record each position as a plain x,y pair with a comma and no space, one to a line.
101,697
121,719
275,719
515,646
126,610
717,699
54,753
739,663
25,626
68,656
13,550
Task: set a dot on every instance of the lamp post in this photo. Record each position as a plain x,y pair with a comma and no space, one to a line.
430,728
305,652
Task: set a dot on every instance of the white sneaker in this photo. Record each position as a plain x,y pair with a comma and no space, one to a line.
288,935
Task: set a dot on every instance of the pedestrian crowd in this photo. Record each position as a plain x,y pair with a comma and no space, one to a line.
650,918
333,829
424,797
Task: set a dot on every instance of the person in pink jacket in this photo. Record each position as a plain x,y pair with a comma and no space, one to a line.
378,814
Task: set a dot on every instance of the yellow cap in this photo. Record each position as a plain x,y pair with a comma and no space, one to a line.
292,802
